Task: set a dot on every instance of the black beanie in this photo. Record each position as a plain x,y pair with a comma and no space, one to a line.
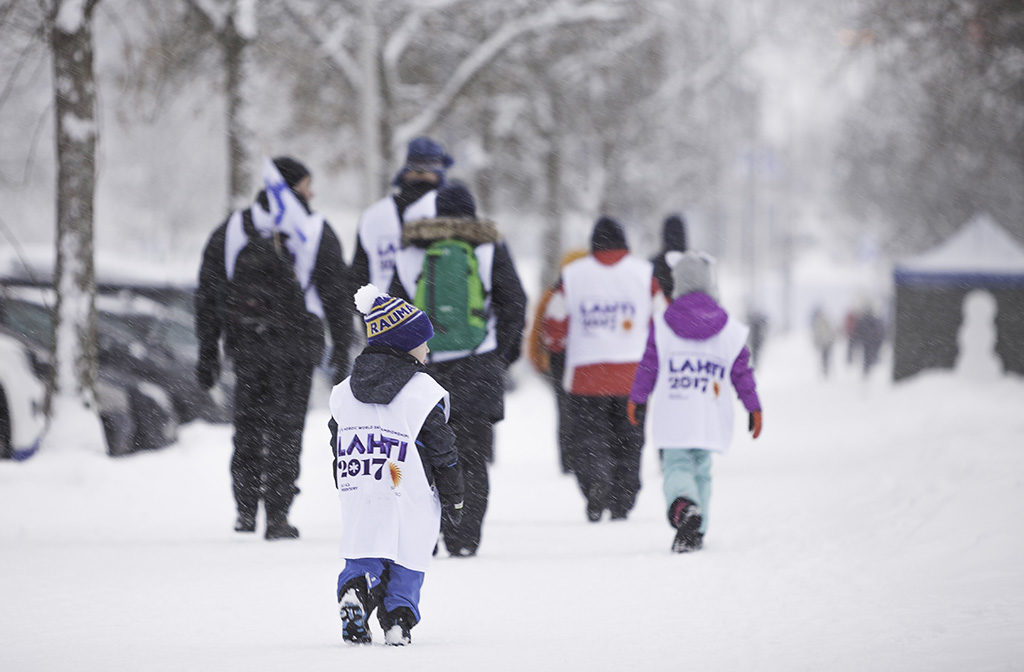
454,200
673,233
291,170
607,235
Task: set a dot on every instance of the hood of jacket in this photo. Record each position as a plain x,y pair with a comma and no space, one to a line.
696,316
380,372
422,232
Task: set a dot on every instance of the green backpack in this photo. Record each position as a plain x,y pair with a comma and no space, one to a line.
451,293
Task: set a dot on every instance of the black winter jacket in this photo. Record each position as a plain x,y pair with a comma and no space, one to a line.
330,276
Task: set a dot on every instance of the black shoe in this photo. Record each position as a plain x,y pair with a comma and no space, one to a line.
596,502
245,523
278,527
353,609
618,514
396,625
463,552
687,542
686,517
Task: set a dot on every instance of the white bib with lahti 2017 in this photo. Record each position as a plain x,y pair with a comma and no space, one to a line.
380,234
609,310
692,402
388,508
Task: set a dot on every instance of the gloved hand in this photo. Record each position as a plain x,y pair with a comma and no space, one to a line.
207,370
635,412
452,512
450,487
754,423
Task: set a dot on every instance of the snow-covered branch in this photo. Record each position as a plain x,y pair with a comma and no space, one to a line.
216,13
330,41
72,14
486,52
401,36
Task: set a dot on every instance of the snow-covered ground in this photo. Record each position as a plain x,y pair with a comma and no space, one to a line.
872,527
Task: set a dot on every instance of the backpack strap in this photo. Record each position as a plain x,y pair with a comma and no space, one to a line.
247,226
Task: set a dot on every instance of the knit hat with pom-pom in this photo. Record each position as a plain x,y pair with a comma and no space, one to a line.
391,321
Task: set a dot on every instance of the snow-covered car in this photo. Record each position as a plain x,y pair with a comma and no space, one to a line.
146,384
22,395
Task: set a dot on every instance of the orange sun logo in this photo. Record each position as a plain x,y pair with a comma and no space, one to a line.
396,473
627,325
716,388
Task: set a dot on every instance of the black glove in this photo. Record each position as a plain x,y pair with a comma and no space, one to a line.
452,512
450,487
207,370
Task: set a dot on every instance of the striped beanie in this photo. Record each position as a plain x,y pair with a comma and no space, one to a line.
391,321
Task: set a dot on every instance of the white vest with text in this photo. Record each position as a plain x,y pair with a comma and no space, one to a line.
692,402
388,508
609,310
380,233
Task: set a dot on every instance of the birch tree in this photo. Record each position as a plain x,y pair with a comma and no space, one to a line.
73,398
233,24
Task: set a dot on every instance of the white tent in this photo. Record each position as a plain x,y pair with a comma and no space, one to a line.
980,247
930,290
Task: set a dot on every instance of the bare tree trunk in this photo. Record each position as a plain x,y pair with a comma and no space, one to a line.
75,348
553,216
235,46
485,174
370,112
553,211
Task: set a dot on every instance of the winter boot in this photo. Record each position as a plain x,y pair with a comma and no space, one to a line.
596,495
278,527
354,607
246,522
685,516
396,625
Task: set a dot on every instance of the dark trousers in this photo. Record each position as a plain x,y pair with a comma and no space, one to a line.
606,451
474,438
271,397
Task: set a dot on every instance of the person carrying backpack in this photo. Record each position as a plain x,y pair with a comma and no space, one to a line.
270,276
456,269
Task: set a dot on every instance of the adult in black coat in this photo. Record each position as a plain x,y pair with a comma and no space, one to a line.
274,357
673,244
474,379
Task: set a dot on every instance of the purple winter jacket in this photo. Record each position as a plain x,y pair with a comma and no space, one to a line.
695,316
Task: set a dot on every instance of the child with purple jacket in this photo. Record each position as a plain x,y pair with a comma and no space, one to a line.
695,351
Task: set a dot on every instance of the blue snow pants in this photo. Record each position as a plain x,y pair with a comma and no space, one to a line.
686,472
401,584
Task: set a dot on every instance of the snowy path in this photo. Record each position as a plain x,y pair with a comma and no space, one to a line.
871,527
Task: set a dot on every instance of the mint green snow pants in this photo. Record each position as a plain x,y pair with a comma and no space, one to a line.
686,472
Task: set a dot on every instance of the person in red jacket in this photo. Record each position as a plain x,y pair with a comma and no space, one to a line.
598,317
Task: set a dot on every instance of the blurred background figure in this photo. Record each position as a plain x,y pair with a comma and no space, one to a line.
757,320
823,335
868,335
673,244
551,365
